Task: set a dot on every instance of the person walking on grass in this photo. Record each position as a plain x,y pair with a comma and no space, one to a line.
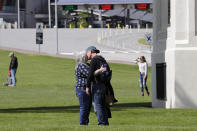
143,69
13,67
81,73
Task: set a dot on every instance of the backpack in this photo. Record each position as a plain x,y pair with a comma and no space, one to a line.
104,76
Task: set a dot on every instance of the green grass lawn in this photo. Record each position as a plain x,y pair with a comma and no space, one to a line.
45,99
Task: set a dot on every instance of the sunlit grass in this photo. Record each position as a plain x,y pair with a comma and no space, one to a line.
45,99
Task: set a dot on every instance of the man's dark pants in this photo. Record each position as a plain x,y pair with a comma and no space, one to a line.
98,92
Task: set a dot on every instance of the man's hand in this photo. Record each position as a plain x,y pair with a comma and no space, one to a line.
87,91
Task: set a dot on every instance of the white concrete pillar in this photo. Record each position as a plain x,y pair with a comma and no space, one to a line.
192,21
180,18
178,50
160,14
185,53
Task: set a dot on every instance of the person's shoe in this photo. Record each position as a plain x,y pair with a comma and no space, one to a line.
115,100
148,94
12,85
142,94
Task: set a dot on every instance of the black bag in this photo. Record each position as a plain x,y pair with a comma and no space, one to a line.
105,76
109,100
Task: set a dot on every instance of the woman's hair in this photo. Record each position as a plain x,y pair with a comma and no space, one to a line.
81,58
143,59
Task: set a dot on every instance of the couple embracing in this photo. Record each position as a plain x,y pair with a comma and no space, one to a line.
93,84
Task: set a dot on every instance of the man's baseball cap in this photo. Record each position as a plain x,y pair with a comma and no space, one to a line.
11,54
93,48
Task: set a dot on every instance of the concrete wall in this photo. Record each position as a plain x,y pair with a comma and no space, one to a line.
70,40
19,39
186,74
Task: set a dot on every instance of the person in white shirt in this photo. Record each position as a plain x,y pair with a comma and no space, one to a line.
143,69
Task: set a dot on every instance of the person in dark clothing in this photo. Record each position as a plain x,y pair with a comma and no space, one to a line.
81,73
13,67
98,89
105,77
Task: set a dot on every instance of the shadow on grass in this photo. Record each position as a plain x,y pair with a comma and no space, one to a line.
72,109
122,106
57,109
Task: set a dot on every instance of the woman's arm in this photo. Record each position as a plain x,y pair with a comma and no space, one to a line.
137,60
100,70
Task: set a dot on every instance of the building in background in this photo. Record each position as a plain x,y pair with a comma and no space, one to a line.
8,10
133,13
102,13
31,12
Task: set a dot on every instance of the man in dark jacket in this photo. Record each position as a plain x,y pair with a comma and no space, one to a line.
13,67
97,88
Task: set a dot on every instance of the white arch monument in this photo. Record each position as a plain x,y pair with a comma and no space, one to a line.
174,57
